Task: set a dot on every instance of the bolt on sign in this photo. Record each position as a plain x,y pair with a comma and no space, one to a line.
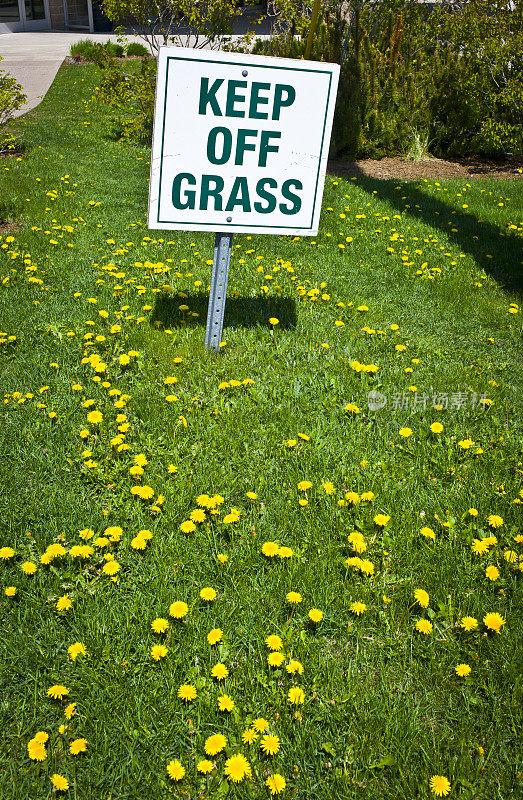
240,144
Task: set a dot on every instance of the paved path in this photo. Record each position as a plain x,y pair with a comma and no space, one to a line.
35,58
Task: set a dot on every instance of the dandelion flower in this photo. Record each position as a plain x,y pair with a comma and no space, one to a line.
285,552
76,649
214,636
294,666
424,626
436,427
469,623
57,692
357,608
188,526
6,553
381,520
10,591
178,609
204,766
270,549
208,593
439,785
495,521
293,597
225,703
315,615
462,670
59,782
492,573
493,621
405,432
274,642
275,783
237,768
296,695
421,597
78,746
159,651
187,692
36,749
28,568
275,659
219,671
428,533
215,744
175,770
111,568
260,725
94,417
249,736
270,744
304,485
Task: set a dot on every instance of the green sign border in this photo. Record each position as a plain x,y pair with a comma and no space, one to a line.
230,225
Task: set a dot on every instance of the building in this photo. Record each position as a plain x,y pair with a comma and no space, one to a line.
56,15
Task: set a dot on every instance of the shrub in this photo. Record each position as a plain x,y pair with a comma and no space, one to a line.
137,49
90,50
11,99
86,49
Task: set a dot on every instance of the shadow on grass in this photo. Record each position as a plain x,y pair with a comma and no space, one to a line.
472,235
240,312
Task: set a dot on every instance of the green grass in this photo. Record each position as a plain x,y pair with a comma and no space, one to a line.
384,709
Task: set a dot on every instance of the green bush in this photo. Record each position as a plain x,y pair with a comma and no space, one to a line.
137,49
90,50
11,99
85,49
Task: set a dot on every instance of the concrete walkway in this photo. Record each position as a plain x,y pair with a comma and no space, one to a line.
33,59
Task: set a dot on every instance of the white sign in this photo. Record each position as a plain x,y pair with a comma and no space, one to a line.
240,142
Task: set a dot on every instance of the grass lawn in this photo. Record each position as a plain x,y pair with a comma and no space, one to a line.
137,470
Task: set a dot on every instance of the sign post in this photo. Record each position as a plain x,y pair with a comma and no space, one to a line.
240,144
219,277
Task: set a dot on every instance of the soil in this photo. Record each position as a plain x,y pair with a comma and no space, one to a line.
398,168
81,61
8,227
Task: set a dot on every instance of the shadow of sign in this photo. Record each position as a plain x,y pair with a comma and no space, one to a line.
173,311
472,235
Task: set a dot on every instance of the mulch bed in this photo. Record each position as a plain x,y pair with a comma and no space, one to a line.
80,61
8,227
398,168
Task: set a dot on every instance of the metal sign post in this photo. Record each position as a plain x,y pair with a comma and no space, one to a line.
218,293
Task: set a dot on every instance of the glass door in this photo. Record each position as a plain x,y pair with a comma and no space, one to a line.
23,15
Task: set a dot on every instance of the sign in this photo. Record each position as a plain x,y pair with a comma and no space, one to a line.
240,142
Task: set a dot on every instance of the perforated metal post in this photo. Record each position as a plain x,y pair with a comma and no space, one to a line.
217,297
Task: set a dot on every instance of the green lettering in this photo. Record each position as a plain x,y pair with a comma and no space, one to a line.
208,96
214,192
282,100
239,195
226,148
189,196
266,147
233,98
288,195
270,198
256,100
242,146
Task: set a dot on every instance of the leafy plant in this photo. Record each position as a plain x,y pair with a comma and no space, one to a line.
137,49
189,23
12,98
